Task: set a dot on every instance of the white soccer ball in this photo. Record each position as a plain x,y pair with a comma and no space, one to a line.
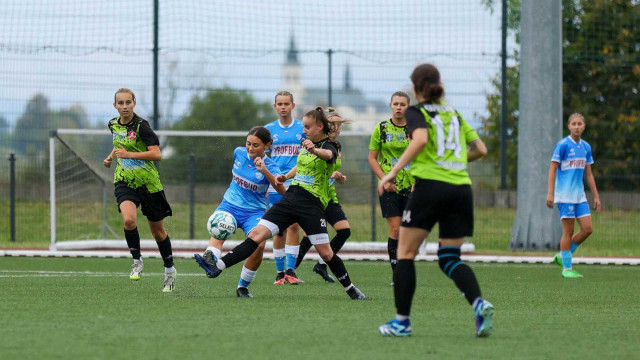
221,225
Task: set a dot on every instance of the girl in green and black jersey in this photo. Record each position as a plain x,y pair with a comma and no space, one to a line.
442,194
137,183
388,142
303,203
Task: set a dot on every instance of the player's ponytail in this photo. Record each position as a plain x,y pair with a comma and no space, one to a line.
426,81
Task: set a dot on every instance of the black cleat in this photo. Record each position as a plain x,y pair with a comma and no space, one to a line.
355,294
321,269
243,292
291,277
208,262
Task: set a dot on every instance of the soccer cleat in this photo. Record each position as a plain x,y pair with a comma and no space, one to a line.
321,269
136,270
291,277
571,274
355,294
279,279
243,292
557,259
484,318
208,262
396,327
169,282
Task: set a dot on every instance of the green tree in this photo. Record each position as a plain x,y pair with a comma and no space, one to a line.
601,74
217,110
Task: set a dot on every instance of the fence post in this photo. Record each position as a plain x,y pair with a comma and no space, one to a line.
12,194
374,193
192,195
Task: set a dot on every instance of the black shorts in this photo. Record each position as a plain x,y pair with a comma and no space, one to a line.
298,206
393,204
154,205
334,213
451,206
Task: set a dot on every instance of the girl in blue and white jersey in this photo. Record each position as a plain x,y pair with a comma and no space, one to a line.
246,199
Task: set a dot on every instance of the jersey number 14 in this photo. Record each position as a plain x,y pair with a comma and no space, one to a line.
450,141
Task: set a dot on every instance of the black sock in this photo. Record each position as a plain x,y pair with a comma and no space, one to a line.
459,272
337,268
392,249
338,241
165,251
240,252
133,242
405,286
305,245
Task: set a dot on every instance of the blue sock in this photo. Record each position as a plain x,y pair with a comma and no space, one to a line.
574,246
292,255
246,277
566,259
291,261
279,257
243,283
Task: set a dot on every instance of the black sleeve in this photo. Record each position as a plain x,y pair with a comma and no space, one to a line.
147,135
332,147
415,120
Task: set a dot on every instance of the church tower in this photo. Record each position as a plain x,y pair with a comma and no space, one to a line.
291,77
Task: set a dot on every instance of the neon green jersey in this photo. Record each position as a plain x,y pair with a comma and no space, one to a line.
444,157
313,173
135,136
333,194
390,141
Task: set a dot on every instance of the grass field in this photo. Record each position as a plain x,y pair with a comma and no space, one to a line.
88,309
615,231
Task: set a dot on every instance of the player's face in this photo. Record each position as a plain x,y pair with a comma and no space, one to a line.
255,146
124,104
576,127
312,129
398,105
284,106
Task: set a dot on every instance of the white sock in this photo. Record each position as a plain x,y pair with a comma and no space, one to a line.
247,275
321,262
279,253
137,260
216,252
348,287
169,270
401,317
292,249
220,264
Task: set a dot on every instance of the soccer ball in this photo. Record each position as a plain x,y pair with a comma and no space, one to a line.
221,225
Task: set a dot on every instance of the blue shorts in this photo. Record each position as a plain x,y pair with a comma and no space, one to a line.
247,219
573,211
273,199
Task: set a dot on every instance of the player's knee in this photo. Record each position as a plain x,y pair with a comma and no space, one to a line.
588,230
344,233
449,259
129,222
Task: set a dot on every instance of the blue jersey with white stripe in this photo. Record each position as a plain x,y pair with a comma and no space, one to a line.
286,145
572,157
248,188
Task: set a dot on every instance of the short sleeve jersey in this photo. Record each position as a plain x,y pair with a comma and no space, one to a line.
135,136
390,141
286,145
248,188
333,194
444,157
313,172
572,157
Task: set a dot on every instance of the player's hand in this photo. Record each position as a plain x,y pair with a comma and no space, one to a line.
259,163
386,179
308,144
550,201
280,179
597,205
107,162
339,177
121,153
390,186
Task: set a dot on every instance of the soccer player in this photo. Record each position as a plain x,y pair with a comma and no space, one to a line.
333,213
442,194
287,133
137,183
570,164
246,200
304,203
388,141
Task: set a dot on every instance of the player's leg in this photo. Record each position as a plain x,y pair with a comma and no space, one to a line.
583,216
251,265
279,240
338,220
291,248
155,207
128,210
391,206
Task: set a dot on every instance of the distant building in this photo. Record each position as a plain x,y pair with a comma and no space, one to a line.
348,101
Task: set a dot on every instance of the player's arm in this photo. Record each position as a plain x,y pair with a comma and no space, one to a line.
373,162
591,181
339,177
262,167
284,177
153,153
551,181
323,154
107,162
419,138
477,150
